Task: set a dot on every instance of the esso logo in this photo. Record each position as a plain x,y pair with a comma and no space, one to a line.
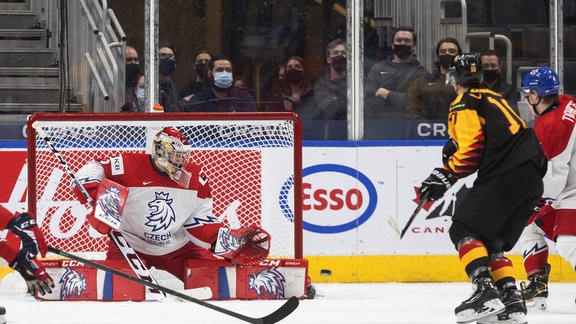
336,198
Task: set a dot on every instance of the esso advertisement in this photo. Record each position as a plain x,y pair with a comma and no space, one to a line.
342,204
351,194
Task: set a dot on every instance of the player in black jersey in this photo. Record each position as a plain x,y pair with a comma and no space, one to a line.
489,138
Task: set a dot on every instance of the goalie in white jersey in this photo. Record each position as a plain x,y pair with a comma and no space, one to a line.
167,217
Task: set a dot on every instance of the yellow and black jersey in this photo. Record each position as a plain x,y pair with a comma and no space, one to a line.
491,137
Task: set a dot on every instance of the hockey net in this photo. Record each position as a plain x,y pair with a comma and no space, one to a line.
253,161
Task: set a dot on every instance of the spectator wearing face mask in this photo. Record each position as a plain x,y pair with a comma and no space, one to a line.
429,97
132,71
137,104
221,96
330,91
295,93
388,81
200,81
168,95
493,79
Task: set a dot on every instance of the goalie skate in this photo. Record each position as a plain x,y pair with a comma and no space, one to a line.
483,303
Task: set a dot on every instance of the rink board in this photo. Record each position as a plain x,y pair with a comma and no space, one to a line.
348,187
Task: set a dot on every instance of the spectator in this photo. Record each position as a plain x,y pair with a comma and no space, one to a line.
429,97
132,70
387,82
221,96
200,80
330,91
137,104
493,79
168,96
295,93
241,83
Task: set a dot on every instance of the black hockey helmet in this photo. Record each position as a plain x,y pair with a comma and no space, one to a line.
465,69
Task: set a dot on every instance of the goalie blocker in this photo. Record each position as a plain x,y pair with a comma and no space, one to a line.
270,279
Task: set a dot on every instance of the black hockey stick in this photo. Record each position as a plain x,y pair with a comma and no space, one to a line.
423,200
286,309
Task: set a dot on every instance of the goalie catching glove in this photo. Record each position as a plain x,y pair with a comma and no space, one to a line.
244,246
437,183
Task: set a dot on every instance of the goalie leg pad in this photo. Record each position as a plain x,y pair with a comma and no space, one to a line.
270,279
76,281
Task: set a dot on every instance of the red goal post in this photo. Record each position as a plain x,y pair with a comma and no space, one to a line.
253,161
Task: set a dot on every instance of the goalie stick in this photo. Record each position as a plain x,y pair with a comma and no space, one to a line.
115,236
423,200
286,309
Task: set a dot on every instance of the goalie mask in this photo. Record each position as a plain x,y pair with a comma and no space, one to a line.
170,150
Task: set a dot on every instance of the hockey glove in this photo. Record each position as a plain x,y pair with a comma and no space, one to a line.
436,185
33,272
243,246
24,225
448,150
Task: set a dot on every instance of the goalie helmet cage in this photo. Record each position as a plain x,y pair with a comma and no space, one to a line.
253,162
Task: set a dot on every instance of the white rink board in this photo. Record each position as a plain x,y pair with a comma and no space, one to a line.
393,173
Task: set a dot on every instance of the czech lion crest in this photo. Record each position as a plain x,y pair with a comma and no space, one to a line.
72,283
161,214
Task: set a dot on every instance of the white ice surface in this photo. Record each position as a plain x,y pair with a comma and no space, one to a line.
338,303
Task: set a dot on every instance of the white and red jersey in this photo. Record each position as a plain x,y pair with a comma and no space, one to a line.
159,215
557,133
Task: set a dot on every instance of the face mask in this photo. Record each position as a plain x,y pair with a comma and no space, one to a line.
132,70
166,66
403,51
445,59
223,79
294,76
339,62
200,69
141,95
491,75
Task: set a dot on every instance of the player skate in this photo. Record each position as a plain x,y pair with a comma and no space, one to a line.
483,302
536,289
515,311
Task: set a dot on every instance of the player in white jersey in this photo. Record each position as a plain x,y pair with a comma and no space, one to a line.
167,217
555,128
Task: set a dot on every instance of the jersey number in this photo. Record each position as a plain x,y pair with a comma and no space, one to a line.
515,122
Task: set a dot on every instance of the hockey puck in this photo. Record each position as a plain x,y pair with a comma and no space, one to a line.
325,272
2,310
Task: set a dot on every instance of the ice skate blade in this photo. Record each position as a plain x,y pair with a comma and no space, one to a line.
539,303
491,307
504,318
2,319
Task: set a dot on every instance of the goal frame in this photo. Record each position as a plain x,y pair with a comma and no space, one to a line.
256,116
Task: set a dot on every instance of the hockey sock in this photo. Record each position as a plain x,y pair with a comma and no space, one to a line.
535,248
502,271
474,256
